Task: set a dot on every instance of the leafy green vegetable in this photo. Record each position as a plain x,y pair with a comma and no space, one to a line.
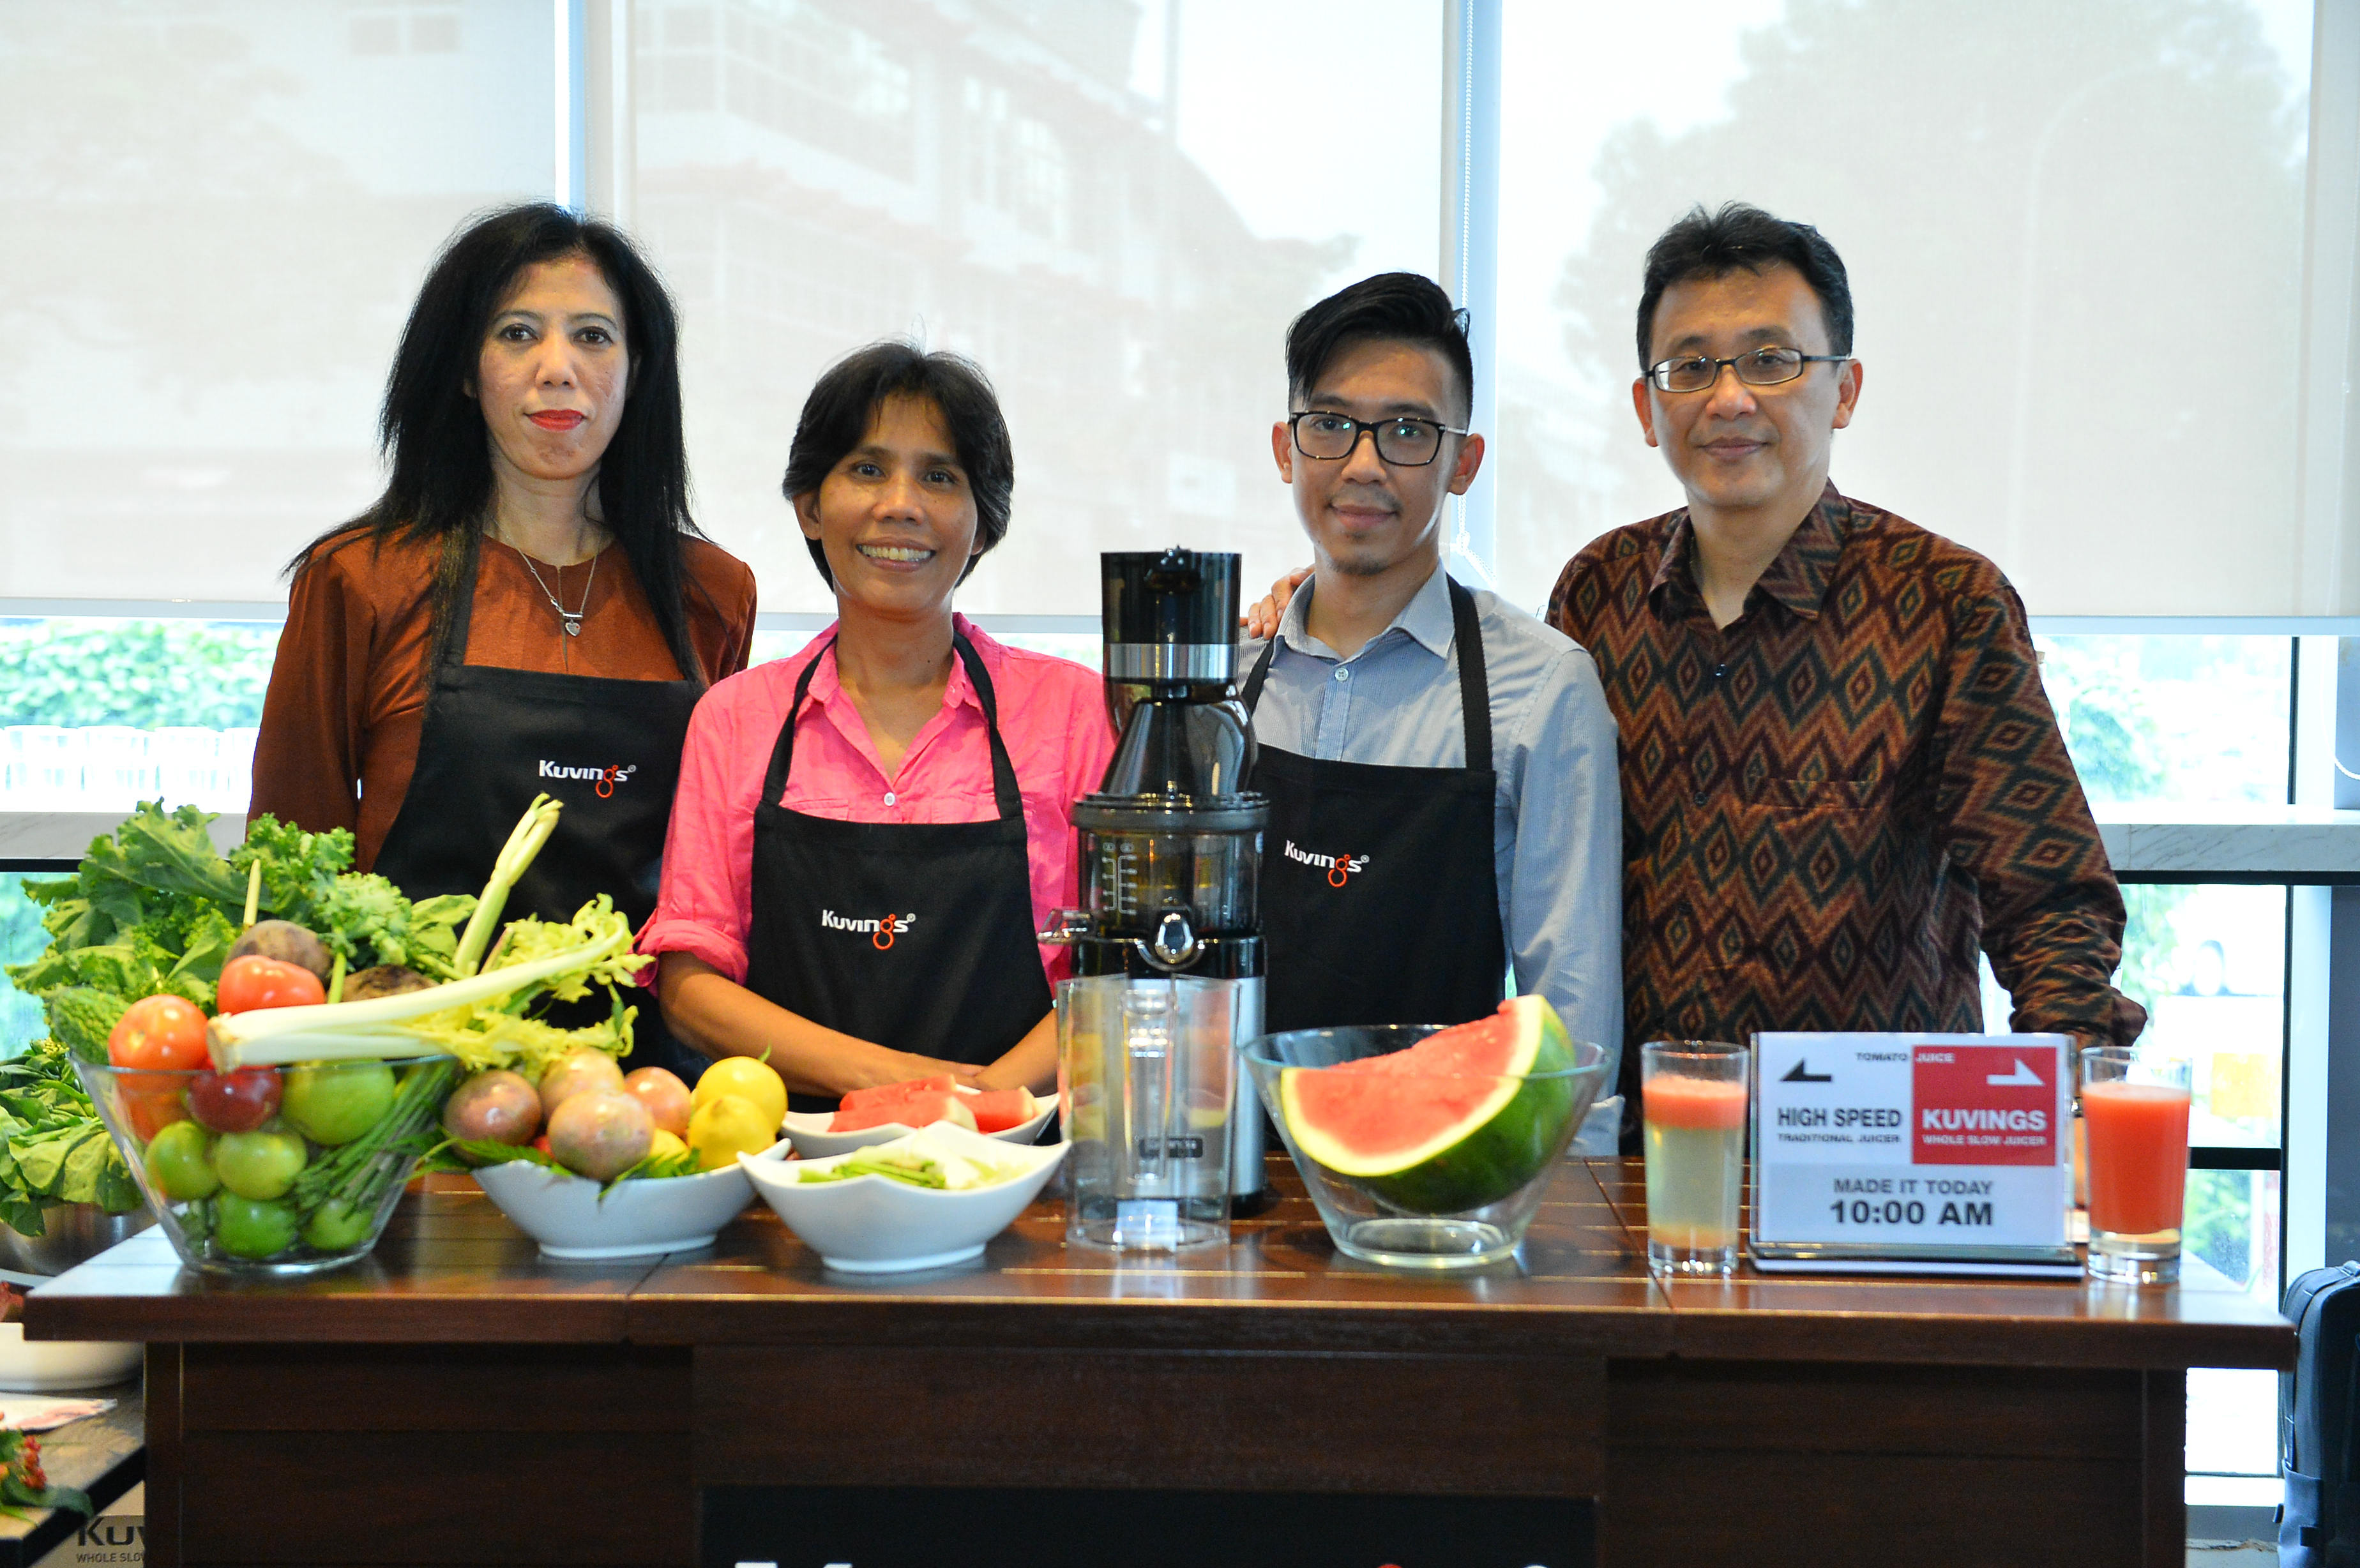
82,1016
461,1155
53,1149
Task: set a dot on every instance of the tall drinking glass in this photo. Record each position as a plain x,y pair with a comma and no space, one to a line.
1694,1095
2134,1118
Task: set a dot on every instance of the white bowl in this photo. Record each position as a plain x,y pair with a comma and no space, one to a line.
813,1141
38,1366
874,1224
676,1214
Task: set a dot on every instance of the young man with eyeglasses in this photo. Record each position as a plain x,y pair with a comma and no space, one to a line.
1840,777
1440,765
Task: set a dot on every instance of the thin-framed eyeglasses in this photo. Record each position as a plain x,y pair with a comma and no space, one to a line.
1404,441
1768,367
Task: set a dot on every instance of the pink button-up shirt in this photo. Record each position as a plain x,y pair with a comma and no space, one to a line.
1051,719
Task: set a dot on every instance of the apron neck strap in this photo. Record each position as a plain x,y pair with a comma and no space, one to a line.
1474,684
1004,790
463,608
1474,681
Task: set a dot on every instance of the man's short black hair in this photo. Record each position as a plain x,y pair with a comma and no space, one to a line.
1399,306
1744,238
836,417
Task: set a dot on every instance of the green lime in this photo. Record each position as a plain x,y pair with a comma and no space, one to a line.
337,1226
179,1163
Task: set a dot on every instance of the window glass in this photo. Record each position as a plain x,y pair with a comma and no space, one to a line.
102,713
2033,202
1114,208
218,213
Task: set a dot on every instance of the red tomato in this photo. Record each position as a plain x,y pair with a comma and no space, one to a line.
235,1102
255,982
151,1102
159,1031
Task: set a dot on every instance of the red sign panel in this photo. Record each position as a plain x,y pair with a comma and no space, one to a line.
1983,1104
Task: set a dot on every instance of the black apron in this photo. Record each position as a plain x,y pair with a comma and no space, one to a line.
916,937
492,739
1378,902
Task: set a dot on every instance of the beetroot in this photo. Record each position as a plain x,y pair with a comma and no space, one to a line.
601,1133
578,1070
664,1095
500,1105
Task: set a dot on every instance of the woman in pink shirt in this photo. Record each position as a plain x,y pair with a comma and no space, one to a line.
867,835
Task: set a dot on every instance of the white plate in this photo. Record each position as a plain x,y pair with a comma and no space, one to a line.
563,1211
874,1224
39,1365
813,1141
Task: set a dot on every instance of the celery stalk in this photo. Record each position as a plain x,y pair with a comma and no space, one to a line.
276,1035
532,831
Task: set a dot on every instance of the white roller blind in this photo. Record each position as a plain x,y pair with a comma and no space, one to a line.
1115,207
2074,233
214,215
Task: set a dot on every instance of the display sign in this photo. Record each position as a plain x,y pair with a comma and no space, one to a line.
1941,1153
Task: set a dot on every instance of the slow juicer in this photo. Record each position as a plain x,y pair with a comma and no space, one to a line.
1170,846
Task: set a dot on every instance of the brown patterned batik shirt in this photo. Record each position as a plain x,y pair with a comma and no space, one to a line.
1830,803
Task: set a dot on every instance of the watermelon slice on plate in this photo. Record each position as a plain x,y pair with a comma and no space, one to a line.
1452,1123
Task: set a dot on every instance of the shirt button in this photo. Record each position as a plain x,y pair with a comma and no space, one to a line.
1698,797
889,798
1343,674
1721,672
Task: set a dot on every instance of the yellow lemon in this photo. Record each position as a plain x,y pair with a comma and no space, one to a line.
748,1080
727,1125
667,1143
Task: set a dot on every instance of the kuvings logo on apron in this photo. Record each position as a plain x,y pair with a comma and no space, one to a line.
605,777
881,930
1339,868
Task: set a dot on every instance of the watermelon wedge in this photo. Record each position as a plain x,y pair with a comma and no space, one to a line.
941,1083
909,1110
1450,1124
997,1110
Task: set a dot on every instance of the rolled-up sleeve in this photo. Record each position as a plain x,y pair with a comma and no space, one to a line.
1559,845
706,904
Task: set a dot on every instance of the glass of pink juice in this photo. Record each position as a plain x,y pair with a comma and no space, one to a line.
1692,1093
2135,1120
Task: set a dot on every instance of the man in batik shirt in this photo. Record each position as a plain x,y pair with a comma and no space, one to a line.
1840,777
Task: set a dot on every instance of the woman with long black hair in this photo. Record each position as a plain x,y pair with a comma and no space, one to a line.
529,607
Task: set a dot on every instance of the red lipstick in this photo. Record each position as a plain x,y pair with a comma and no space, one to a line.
558,419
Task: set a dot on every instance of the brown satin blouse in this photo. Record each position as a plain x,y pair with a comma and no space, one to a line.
347,697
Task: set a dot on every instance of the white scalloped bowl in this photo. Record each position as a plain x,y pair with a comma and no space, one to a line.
813,1141
874,1224
640,1218
40,1366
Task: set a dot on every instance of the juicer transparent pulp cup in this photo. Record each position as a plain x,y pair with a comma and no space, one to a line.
2135,1119
1693,1093
1146,1066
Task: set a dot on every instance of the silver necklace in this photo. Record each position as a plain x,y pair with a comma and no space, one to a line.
571,619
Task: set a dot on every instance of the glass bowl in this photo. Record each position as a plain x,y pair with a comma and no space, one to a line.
321,1162
1463,1203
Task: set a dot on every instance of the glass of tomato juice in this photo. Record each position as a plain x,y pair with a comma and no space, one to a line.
1692,1094
2134,1118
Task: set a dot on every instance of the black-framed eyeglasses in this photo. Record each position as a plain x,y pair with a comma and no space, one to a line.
1755,367
1403,442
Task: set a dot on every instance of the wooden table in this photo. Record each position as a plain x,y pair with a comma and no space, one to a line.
454,1398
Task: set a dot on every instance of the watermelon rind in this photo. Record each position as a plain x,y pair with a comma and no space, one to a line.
1489,1153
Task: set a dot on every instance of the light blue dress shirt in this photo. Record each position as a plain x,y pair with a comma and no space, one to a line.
1556,821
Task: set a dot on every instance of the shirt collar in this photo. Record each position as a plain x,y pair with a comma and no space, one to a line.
825,689
1426,620
1797,578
